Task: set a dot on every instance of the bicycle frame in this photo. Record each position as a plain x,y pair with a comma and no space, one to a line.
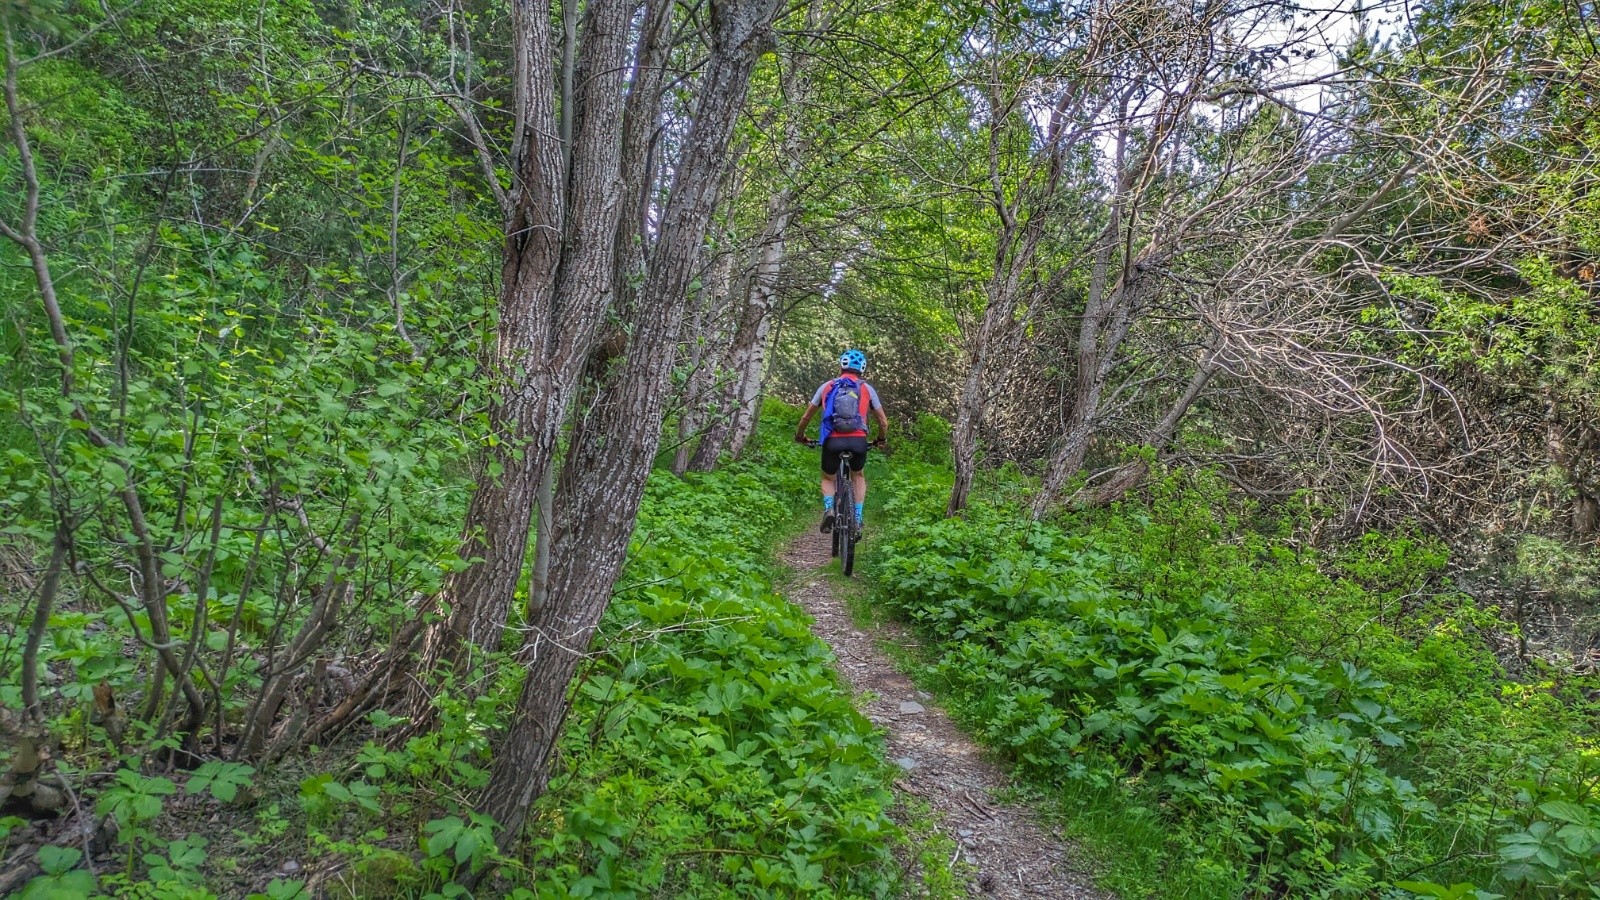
845,530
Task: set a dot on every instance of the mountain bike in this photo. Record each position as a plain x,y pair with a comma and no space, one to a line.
846,535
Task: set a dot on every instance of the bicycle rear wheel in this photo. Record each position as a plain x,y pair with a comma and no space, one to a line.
845,512
847,550
838,501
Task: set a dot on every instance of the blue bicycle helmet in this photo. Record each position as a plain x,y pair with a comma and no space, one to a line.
854,360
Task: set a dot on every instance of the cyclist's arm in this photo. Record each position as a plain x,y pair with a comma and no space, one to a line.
800,430
883,425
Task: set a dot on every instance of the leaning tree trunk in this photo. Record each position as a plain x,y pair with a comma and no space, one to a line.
1023,215
746,350
612,454
999,311
1099,341
1160,437
750,357
1089,383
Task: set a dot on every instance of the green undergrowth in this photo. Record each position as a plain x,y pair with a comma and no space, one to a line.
711,752
1218,712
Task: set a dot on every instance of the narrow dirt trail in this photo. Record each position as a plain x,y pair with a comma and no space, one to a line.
1013,855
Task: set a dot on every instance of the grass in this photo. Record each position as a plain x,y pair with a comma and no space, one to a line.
933,872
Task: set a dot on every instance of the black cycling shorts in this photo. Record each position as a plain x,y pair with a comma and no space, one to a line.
836,445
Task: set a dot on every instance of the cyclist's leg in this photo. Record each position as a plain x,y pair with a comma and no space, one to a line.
858,476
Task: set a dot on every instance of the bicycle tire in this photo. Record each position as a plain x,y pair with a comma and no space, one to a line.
847,534
838,498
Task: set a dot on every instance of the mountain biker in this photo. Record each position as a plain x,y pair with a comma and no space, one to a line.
844,428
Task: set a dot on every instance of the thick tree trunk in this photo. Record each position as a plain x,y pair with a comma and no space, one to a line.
612,453
556,285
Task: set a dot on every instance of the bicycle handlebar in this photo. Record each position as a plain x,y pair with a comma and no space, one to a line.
880,444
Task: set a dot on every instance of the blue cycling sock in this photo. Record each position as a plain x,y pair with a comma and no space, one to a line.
827,503
858,514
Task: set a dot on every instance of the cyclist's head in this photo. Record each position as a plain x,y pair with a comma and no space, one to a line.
853,361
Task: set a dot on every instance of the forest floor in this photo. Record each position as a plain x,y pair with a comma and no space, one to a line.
1007,852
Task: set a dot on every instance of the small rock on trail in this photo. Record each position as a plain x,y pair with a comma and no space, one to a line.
1013,855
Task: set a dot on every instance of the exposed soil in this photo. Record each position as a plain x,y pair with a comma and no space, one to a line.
1011,853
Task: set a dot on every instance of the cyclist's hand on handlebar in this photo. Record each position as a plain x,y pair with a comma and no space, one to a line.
800,438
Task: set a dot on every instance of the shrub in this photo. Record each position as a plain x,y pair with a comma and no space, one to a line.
1319,724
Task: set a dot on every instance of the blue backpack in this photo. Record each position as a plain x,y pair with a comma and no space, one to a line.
845,410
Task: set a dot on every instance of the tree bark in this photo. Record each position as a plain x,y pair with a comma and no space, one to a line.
612,452
747,355
1023,215
556,285
708,342
969,411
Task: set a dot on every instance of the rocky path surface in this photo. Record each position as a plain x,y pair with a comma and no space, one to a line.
1011,854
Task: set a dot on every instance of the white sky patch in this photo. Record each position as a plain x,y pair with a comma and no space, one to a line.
1311,41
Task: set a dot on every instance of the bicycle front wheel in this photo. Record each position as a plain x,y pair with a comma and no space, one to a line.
844,528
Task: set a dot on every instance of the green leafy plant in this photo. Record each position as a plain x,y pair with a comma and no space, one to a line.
321,796
62,879
459,843
181,863
223,780
283,889
134,800
1165,645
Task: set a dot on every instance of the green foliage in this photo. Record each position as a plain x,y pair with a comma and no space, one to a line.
1302,730
459,844
221,779
62,879
134,799
321,796
930,440
714,752
710,750
283,889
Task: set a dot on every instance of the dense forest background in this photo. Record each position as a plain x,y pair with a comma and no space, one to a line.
394,431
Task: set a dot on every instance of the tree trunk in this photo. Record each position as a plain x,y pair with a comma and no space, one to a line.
747,356
1023,215
709,340
556,285
750,357
738,399
1160,437
969,411
1092,355
612,453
